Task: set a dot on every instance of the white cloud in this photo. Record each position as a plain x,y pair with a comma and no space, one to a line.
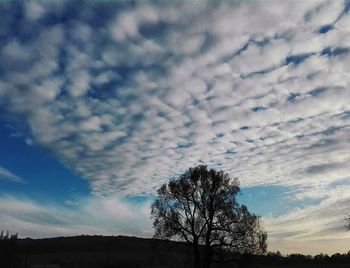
34,10
137,96
108,216
325,13
6,174
314,225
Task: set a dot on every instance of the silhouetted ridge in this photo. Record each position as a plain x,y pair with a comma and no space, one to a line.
83,243
123,252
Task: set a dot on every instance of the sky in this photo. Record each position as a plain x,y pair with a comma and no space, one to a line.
101,102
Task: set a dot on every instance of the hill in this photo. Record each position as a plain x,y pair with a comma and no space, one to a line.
102,251
122,251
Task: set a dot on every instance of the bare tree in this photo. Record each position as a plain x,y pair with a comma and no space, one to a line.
200,208
347,225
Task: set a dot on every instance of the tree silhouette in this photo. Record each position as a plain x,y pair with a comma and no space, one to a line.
347,225
200,208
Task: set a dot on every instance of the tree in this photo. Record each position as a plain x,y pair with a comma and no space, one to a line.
200,208
348,223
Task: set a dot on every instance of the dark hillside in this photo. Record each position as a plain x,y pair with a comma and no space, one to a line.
102,251
121,251
83,243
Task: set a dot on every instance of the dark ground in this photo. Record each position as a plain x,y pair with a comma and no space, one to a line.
122,251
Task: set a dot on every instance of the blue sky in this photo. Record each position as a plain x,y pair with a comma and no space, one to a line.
101,102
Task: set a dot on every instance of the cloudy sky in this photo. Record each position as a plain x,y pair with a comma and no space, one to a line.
101,102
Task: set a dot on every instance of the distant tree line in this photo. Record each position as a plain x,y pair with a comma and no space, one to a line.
276,259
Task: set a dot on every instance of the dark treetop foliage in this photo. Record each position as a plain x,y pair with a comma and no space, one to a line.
200,207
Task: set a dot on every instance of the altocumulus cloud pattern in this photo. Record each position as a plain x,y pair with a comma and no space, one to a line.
131,94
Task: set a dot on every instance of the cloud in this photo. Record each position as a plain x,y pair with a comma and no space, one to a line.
7,175
107,216
137,95
314,225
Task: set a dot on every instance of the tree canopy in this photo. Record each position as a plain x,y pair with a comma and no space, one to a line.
200,207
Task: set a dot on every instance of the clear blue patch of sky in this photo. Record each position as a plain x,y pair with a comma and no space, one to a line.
272,200
325,28
258,109
140,199
293,96
333,52
344,181
297,59
46,179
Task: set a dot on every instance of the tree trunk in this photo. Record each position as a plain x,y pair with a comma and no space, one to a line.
208,251
207,257
196,256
